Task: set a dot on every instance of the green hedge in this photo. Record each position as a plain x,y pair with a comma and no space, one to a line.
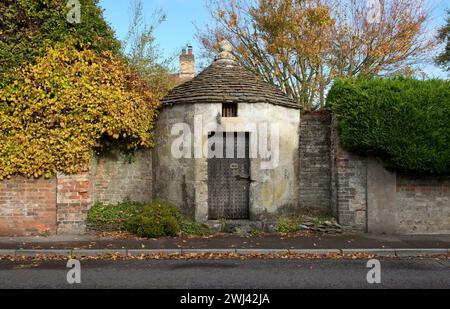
406,122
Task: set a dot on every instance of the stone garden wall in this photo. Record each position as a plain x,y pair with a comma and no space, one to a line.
423,204
370,198
359,191
59,205
315,163
118,178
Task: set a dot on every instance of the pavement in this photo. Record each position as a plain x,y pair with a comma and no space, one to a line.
227,274
86,245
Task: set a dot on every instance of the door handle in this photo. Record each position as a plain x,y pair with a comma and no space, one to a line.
239,177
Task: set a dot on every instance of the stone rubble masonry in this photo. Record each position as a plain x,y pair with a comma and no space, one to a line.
348,184
423,204
59,205
117,178
315,163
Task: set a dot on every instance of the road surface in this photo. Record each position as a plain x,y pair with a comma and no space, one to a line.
227,274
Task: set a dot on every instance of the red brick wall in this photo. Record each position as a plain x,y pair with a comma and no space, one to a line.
27,206
74,198
37,206
60,205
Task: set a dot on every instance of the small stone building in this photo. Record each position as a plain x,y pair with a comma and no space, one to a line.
227,146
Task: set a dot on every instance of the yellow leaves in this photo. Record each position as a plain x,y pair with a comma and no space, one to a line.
54,127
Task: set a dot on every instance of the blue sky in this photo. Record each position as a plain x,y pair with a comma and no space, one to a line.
183,15
171,35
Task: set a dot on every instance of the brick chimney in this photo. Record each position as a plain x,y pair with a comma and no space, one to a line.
187,63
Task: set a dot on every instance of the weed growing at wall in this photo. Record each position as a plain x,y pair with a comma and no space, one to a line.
155,219
112,217
406,122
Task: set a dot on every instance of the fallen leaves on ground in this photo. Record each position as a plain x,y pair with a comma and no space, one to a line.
115,235
27,266
221,256
127,235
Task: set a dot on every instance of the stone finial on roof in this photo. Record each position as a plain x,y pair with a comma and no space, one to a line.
226,51
225,81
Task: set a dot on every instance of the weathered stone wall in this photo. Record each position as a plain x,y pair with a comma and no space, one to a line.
174,179
381,198
184,182
406,204
117,178
27,206
368,197
349,185
423,204
315,163
274,189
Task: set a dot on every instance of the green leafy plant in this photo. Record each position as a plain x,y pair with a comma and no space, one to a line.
155,219
54,113
406,122
112,217
287,225
188,227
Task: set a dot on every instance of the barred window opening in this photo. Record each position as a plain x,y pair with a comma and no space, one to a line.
229,110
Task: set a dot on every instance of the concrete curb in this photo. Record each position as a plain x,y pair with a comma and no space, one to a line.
262,251
315,251
378,252
420,252
95,252
138,252
43,252
206,251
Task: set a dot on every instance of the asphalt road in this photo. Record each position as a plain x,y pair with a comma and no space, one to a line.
227,274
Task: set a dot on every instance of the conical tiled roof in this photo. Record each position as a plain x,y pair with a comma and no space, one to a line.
224,81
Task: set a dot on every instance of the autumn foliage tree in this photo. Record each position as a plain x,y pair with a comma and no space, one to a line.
142,51
303,45
71,101
443,59
28,27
